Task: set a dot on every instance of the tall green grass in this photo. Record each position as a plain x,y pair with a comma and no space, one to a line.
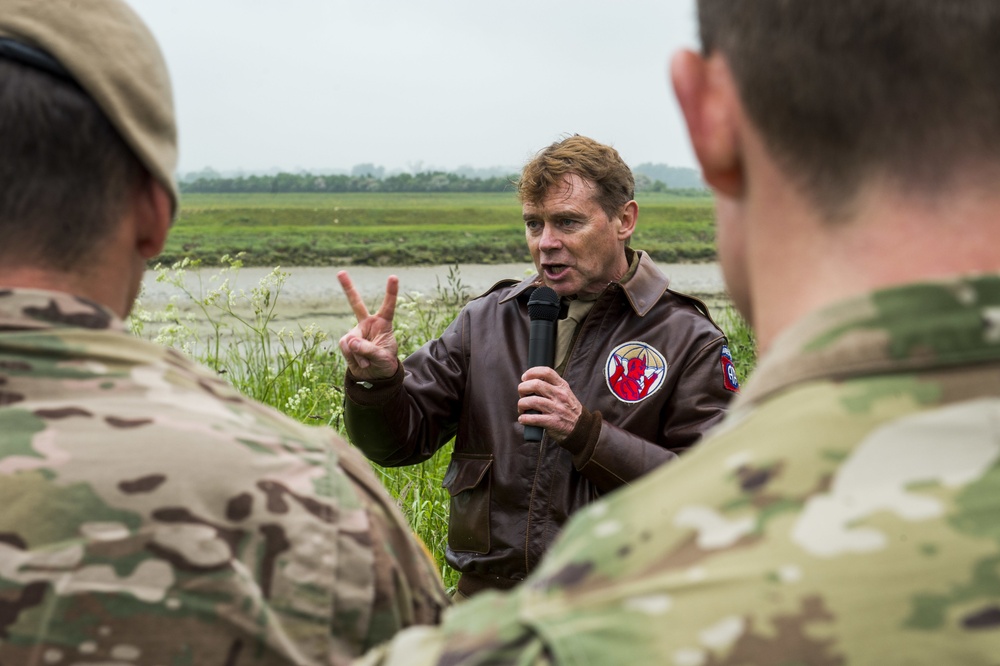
397,229
301,372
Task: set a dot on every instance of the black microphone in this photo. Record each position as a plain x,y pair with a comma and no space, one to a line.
543,310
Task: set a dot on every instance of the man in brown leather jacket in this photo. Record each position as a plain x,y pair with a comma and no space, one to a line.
641,372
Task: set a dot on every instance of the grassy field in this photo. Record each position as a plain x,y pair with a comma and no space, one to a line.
404,229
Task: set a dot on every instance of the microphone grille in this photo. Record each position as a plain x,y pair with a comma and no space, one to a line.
543,304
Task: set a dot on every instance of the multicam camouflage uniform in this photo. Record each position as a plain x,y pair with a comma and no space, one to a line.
846,512
149,514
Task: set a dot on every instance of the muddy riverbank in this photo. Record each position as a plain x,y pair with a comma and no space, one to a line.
312,295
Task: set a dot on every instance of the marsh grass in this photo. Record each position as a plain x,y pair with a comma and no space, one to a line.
742,343
301,372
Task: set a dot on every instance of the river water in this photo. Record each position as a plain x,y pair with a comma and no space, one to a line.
312,295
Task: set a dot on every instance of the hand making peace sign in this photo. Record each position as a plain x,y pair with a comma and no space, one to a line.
370,347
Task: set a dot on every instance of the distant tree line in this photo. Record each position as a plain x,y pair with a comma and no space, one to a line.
676,178
429,181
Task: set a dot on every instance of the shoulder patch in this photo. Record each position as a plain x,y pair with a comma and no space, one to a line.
634,371
729,379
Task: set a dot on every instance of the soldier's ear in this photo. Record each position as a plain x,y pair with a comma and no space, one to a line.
709,100
153,211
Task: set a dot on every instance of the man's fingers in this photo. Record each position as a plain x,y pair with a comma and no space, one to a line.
534,403
541,381
541,373
532,387
345,349
388,309
359,353
353,297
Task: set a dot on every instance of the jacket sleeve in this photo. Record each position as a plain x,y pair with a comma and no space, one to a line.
403,420
612,457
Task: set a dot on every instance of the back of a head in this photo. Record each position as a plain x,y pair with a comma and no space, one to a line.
86,111
584,157
906,90
64,172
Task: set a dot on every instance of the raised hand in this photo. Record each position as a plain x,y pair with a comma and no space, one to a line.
370,348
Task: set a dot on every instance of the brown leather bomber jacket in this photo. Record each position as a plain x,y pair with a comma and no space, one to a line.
510,498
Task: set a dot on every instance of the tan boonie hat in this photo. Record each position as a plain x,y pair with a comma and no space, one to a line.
114,57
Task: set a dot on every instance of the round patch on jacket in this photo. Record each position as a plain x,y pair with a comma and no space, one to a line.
729,379
635,371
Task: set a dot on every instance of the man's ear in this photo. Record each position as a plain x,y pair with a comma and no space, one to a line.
709,100
153,209
628,219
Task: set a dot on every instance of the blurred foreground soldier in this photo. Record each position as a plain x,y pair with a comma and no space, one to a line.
150,514
640,373
848,509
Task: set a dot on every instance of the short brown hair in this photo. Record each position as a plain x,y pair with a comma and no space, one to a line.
845,90
65,173
586,158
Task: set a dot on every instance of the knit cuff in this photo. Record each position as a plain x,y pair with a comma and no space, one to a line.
583,440
373,392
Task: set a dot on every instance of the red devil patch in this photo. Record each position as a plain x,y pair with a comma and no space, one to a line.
635,371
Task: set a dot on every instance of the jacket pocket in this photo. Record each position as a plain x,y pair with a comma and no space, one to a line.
468,482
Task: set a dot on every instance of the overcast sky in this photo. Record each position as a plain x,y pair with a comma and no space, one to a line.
419,84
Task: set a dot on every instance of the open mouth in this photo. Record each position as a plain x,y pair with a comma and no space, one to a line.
555,271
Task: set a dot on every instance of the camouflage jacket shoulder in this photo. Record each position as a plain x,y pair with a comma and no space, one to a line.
847,511
154,515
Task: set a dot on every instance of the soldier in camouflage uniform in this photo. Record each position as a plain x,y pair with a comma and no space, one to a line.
149,514
847,511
